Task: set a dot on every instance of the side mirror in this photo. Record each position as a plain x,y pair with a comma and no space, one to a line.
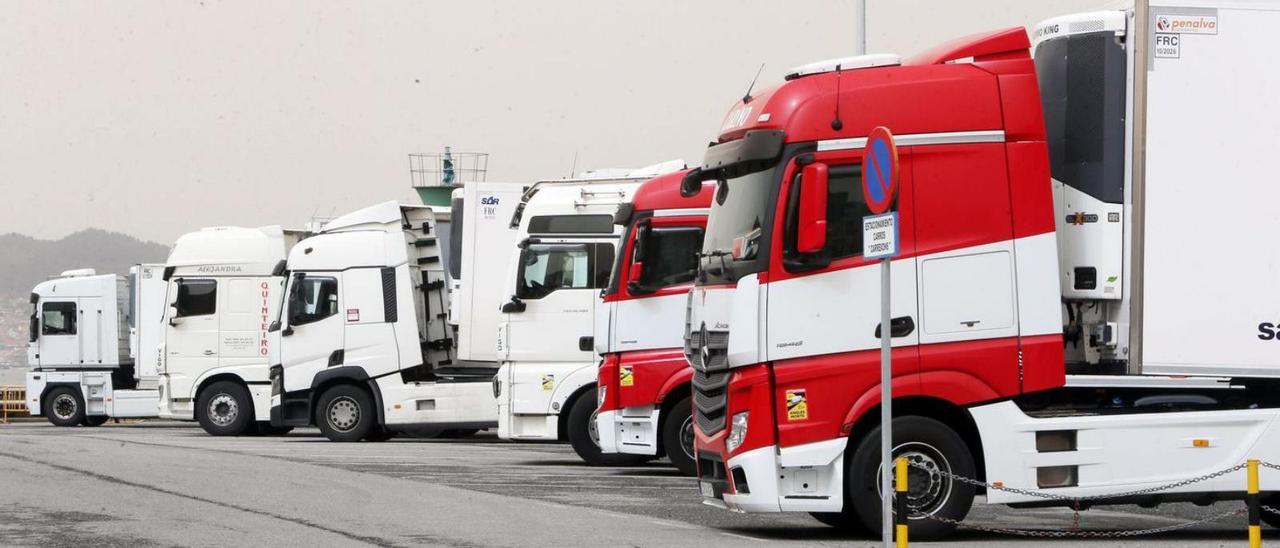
35,327
691,183
173,315
514,306
275,326
811,233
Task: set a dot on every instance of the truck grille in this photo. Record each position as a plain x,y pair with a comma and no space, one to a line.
710,400
708,354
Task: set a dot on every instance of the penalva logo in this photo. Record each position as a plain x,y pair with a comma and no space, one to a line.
1187,24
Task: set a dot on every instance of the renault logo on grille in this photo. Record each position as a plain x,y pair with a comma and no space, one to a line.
704,345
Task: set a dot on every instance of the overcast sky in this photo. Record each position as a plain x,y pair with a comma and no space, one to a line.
157,118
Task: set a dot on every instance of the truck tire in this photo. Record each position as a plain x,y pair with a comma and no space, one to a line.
224,408
95,420
64,406
581,430
925,441
345,413
677,437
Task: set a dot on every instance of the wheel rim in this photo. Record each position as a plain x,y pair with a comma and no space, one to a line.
64,406
593,429
344,414
927,489
223,409
686,437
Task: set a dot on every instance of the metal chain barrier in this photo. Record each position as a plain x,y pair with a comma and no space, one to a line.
1076,503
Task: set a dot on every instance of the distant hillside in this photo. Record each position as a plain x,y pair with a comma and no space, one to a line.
26,260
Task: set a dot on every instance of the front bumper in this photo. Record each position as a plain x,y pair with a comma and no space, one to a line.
632,431
806,478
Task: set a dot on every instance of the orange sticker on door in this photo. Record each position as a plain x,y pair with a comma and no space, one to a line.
797,405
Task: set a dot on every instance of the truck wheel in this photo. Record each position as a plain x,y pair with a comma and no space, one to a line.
95,420
926,442
346,414
225,409
585,439
677,437
64,406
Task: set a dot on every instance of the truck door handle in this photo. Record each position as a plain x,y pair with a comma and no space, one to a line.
899,327
208,352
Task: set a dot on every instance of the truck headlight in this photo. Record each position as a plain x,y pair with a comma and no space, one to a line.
737,431
600,393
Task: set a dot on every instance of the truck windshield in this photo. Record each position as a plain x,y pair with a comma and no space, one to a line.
737,228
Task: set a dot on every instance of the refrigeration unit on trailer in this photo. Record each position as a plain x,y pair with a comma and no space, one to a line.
88,350
480,250
643,378
224,287
1053,218
567,243
364,348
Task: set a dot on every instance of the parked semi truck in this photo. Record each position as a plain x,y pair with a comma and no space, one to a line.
643,378
364,346
567,243
92,344
223,290
1051,220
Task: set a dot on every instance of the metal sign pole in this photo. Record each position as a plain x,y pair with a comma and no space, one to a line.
880,241
886,411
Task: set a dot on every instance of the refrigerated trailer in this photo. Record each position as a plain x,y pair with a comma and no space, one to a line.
567,244
364,349
1052,219
92,344
643,379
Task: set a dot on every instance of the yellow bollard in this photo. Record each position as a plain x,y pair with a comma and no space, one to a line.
900,520
1251,499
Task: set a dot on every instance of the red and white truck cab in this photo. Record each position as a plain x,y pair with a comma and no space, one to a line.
783,324
643,380
1043,229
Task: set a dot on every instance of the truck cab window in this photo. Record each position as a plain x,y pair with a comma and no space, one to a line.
313,299
845,209
197,297
58,318
672,256
545,268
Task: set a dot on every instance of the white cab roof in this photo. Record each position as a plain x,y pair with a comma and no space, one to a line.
229,250
845,63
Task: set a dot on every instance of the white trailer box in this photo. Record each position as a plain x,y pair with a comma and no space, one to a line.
483,242
1156,223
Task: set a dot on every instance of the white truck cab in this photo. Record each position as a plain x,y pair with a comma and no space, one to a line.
567,245
223,291
88,350
364,348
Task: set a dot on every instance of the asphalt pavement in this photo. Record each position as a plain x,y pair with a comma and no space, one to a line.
168,484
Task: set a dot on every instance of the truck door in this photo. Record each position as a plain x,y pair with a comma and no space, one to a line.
313,332
58,343
91,330
242,324
559,284
191,334
824,306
